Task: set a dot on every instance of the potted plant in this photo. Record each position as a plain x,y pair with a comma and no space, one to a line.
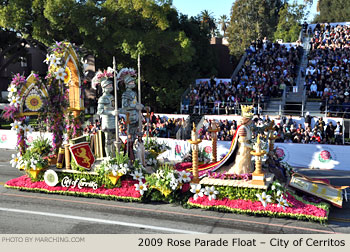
32,163
43,147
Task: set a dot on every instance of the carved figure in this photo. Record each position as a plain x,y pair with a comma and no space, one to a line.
243,163
129,101
105,109
140,151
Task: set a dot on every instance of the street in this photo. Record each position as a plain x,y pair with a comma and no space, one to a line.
40,213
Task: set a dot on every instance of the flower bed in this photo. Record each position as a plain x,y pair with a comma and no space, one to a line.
301,209
126,192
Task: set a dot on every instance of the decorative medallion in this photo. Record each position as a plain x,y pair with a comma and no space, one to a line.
34,102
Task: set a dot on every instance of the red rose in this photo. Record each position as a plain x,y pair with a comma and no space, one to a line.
325,155
207,149
279,152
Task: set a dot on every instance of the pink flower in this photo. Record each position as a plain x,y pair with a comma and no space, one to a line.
3,138
325,155
208,149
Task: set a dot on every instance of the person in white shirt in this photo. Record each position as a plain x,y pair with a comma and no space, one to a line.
313,89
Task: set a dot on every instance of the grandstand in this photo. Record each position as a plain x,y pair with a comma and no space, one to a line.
280,79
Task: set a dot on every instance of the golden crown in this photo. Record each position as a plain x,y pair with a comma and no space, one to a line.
246,111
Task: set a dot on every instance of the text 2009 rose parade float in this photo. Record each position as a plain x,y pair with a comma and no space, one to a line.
249,179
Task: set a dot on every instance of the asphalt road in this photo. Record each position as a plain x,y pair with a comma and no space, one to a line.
38,213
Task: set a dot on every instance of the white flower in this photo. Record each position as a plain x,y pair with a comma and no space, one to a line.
170,176
27,129
14,101
137,175
159,174
60,74
197,190
114,169
140,187
55,61
275,185
174,184
12,89
185,176
48,58
15,159
264,198
33,163
22,164
282,203
279,192
16,125
151,161
210,192
123,170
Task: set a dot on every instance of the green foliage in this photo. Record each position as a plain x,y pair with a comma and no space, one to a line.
172,47
250,20
289,23
333,11
32,160
232,193
166,185
41,146
101,179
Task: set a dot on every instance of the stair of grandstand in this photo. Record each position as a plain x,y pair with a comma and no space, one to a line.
295,97
274,107
314,108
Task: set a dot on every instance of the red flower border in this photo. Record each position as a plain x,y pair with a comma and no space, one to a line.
126,191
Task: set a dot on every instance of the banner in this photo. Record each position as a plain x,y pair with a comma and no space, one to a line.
316,156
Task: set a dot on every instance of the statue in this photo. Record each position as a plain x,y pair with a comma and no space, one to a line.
243,163
129,101
105,109
140,151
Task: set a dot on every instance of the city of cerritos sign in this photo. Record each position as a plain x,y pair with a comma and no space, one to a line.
80,183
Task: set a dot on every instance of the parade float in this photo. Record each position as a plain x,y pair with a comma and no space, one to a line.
249,179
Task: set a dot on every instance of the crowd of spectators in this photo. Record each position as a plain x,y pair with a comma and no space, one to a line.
287,130
268,69
157,126
327,76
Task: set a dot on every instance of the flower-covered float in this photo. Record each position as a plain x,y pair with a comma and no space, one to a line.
196,182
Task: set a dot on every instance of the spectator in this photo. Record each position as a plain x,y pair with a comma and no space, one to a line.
338,132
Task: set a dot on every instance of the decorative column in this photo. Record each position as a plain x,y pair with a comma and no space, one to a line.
258,174
194,142
67,156
271,141
213,129
271,138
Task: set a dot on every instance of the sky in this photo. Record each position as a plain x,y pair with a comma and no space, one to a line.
216,7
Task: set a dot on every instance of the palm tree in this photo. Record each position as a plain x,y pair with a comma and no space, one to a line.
208,21
223,21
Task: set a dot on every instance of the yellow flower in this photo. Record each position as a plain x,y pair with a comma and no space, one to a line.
68,75
34,102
